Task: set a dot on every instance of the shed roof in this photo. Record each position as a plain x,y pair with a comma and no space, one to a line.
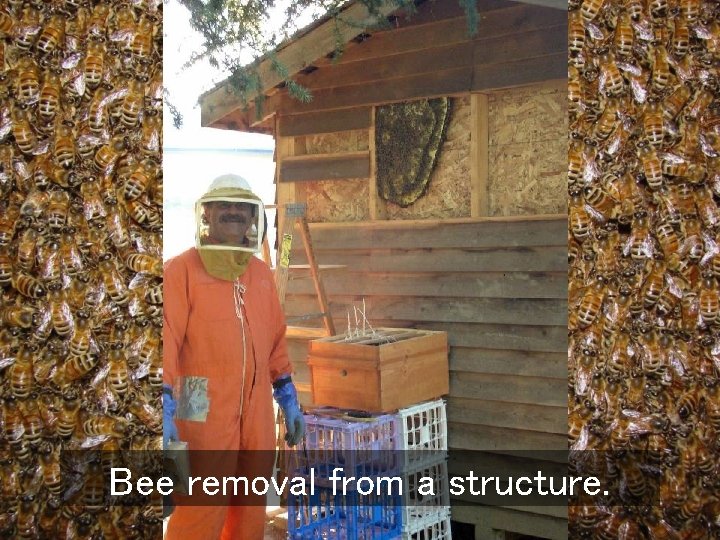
308,47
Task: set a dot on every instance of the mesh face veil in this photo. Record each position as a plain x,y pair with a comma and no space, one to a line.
233,223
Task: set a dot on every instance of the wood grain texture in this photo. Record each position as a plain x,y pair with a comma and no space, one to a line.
328,167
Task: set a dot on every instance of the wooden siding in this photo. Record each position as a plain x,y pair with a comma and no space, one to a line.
429,55
499,288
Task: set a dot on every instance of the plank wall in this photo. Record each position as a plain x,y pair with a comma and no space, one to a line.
428,55
498,287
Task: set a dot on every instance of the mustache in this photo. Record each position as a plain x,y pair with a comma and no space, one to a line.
233,218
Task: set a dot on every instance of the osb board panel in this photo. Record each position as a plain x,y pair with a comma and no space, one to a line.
528,150
527,179
448,193
334,200
337,200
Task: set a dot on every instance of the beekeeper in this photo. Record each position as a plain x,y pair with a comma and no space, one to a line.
225,354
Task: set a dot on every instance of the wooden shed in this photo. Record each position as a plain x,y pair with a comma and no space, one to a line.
482,253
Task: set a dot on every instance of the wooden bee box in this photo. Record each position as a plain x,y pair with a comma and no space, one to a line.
391,369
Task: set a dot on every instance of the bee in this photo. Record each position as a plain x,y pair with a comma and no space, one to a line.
7,23
118,375
132,104
654,284
707,208
114,284
17,316
140,408
576,33
6,270
142,42
633,477
667,238
93,490
689,10
13,426
151,134
591,302
574,89
70,256
47,520
49,99
68,414
99,426
94,62
590,9
26,524
97,112
653,123
52,35
619,360
675,102
80,341
577,160
155,370
33,421
608,119
27,82
144,215
599,200
611,81
660,70
144,263
654,347
701,100
75,368
640,245
21,372
64,150
709,299
680,37
580,224
27,29
140,179
28,286
93,205
154,294
624,37
651,165
25,137
62,318
689,404
108,154
635,394
57,211
98,23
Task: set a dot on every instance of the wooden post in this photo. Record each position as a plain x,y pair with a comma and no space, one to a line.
377,206
479,156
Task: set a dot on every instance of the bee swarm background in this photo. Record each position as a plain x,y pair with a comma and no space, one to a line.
644,254
80,261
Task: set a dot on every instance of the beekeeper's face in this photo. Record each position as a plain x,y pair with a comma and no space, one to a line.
228,222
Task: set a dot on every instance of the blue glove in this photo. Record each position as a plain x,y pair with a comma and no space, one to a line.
169,429
286,396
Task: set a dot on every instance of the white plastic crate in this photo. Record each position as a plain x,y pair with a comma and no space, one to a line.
434,528
422,433
362,447
419,508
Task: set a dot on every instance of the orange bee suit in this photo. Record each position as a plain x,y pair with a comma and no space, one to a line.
203,363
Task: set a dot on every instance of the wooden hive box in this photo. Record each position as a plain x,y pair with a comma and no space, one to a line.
394,368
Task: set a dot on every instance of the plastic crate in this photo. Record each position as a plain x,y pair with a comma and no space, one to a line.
435,528
352,516
419,508
422,433
363,447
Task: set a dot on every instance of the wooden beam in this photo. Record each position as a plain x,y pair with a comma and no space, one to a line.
489,438
500,336
510,388
479,155
483,51
296,55
409,234
520,73
325,122
378,210
494,24
440,284
531,312
529,417
326,167
514,363
523,259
